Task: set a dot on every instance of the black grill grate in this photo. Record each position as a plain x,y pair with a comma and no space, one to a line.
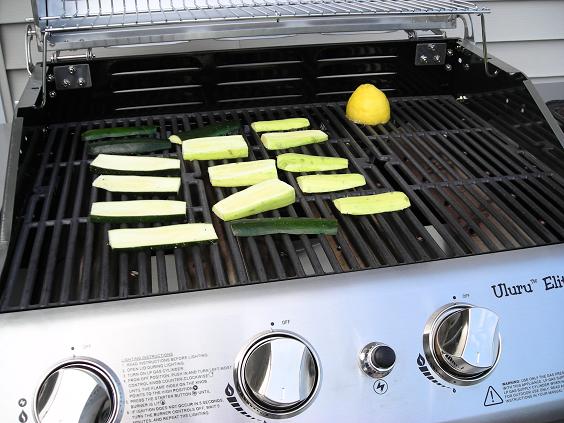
473,190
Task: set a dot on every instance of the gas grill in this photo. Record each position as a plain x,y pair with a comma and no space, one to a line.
440,312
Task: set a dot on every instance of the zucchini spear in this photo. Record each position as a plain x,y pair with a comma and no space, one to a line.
284,225
268,195
369,204
134,165
328,183
214,130
280,125
137,211
215,148
128,146
172,236
282,140
293,162
242,173
137,184
101,133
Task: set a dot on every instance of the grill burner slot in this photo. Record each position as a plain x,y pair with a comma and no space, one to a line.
473,190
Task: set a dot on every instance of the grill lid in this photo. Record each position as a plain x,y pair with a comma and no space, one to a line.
74,24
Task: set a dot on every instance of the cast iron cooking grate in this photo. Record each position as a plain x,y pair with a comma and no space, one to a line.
473,190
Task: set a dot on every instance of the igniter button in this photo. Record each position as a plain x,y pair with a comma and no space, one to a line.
377,359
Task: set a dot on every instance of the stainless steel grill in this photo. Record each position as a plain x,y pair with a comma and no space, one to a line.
70,15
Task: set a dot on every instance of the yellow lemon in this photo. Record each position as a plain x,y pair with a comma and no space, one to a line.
368,106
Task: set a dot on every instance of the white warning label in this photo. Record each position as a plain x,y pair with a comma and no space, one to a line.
534,386
492,397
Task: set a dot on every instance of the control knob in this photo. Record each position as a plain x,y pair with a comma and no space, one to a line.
462,343
277,375
78,391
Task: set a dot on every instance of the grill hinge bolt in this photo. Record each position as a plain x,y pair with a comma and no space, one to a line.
52,94
450,52
72,69
50,77
81,82
448,67
466,66
66,83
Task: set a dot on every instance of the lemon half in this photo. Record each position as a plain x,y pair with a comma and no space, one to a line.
368,106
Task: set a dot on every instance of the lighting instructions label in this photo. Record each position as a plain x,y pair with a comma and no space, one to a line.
168,387
534,386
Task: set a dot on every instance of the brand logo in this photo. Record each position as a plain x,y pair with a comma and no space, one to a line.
549,283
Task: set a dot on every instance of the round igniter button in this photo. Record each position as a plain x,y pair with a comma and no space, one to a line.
377,359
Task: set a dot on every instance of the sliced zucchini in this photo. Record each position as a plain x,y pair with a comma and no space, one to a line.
280,125
214,130
282,140
161,237
243,173
137,184
369,204
293,162
267,195
137,211
132,165
128,146
131,131
215,148
284,225
328,183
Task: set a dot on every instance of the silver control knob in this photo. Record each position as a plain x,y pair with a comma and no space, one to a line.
377,359
78,391
278,375
462,343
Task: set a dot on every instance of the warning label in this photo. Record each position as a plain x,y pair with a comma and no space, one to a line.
492,397
534,386
168,387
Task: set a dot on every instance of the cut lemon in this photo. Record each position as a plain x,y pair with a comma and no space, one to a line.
368,106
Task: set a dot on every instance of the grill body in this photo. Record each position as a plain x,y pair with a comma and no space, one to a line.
479,158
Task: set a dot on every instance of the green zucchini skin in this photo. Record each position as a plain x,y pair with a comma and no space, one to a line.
165,246
128,146
230,127
105,171
101,133
137,219
284,225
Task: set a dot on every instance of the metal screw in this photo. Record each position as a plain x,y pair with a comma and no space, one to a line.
466,66
423,58
72,69
81,82
459,48
66,83
448,67
450,52
52,94
50,77
432,47
437,58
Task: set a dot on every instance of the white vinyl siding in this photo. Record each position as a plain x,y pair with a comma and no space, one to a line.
528,34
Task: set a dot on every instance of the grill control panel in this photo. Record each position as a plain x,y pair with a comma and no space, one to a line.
441,341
